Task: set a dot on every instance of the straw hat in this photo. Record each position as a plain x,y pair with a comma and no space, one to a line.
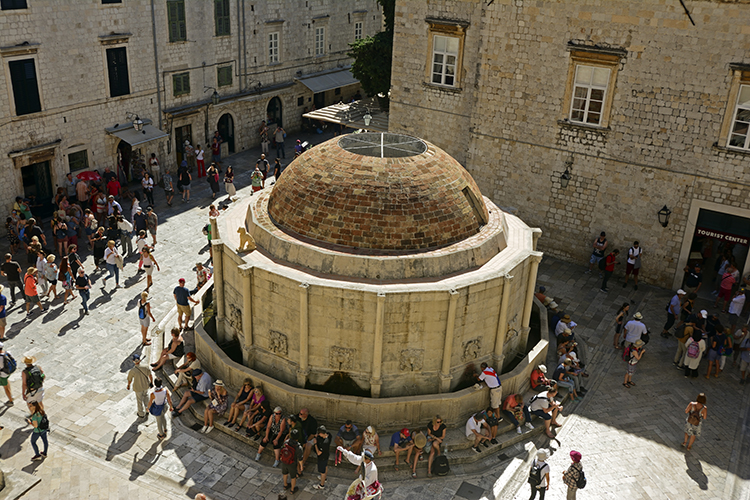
29,360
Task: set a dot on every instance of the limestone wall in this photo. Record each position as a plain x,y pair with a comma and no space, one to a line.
663,145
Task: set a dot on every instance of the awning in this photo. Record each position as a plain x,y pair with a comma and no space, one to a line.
133,137
329,81
352,115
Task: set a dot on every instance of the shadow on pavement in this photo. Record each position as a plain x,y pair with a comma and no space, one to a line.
142,465
695,471
13,445
124,442
127,363
73,325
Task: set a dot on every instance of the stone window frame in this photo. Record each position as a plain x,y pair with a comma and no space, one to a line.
450,28
179,80
176,21
119,87
740,79
222,18
319,45
607,59
83,148
22,56
358,30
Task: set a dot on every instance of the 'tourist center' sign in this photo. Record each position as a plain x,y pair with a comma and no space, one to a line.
719,235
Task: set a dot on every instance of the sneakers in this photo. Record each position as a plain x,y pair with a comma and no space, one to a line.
257,457
485,444
528,424
319,486
36,458
210,428
493,441
476,449
203,429
518,430
43,455
276,463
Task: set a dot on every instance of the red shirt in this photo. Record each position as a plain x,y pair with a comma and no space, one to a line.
537,378
610,266
113,188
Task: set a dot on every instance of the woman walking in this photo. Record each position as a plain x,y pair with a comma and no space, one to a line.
99,242
620,320
229,182
145,317
213,180
184,181
160,397
696,413
148,188
636,352
65,277
148,260
694,349
573,475
39,422
50,273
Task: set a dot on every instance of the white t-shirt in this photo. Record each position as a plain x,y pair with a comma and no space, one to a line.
540,403
110,256
473,425
199,154
633,254
737,304
545,471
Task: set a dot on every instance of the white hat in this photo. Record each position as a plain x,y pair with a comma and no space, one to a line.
681,292
542,455
638,316
704,314
542,368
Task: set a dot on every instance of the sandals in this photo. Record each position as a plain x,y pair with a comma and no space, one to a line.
414,475
632,384
395,467
626,385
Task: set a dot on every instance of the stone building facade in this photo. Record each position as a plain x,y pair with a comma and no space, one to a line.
76,74
644,104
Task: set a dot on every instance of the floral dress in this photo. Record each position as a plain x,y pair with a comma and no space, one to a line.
10,230
221,402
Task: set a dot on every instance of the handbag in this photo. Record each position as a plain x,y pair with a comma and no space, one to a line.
156,410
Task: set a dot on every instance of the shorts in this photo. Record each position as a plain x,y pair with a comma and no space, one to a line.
3,381
725,293
496,397
172,356
322,465
52,282
631,369
36,396
145,321
149,269
198,397
33,299
348,443
744,365
541,414
256,188
630,269
287,469
184,309
3,322
595,259
169,192
713,355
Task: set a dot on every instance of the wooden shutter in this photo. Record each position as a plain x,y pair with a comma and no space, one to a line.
221,17
117,66
25,87
176,20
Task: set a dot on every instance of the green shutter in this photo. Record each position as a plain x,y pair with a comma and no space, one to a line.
176,20
224,76
221,17
180,84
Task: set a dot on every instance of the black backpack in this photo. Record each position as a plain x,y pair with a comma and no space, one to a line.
535,474
581,483
44,423
440,465
602,263
34,378
10,363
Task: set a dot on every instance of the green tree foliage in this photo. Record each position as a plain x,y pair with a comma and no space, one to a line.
372,55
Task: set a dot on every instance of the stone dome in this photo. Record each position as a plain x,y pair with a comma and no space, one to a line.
376,191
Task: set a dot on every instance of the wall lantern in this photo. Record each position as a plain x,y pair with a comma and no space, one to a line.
137,122
565,178
367,118
664,214
214,97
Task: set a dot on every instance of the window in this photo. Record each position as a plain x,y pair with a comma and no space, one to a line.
738,136
25,86
224,76
444,59
221,17
301,101
181,84
110,1
589,91
176,20
117,68
13,4
320,41
273,47
78,161
358,31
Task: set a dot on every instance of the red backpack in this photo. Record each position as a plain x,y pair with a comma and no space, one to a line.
288,454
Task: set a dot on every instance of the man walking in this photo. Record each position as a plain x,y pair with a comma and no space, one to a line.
7,364
182,298
673,311
693,278
32,382
609,268
168,186
140,378
600,245
633,265
263,165
279,136
634,329
12,270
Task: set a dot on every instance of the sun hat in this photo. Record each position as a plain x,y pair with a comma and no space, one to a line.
29,360
370,429
575,456
51,258
542,455
566,318
567,331
219,383
638,343
420,440
542,368
638,315
704,313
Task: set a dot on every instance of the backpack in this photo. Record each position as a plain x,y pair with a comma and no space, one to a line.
10,364
581,482
34,378
535,397
694,417
288,454
440,465
693,349
602,263
142,311
44,423
535,474
626,353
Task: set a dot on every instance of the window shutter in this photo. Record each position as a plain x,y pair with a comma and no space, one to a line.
117,65
25,87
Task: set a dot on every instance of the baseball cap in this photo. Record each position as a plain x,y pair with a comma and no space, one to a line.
405,432
197,372
681,292
181,280
704,314
369,455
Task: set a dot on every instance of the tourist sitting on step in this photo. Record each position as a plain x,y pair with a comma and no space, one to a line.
275,435
370,442
402,441
478,431
576,363
252,408
516,412
309,432
257,423
564,379
185,371
203,384
436,430
492,422
420,441
348,438
548,302
544,406
539,381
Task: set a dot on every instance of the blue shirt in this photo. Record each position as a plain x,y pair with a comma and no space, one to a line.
3,302
674,305
204,384
397,439
181,294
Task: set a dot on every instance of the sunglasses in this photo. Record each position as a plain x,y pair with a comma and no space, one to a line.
439,421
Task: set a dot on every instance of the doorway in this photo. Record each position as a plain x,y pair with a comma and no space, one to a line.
226,130
182,134
37,187
124,155
319,100
274,113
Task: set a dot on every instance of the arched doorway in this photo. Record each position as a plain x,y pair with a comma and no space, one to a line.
273,113
226,130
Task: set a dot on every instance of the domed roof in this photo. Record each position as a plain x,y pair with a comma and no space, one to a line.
378,191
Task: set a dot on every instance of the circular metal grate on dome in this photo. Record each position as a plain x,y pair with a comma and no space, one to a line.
382,145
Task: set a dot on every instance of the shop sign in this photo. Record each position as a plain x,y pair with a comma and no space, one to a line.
719,235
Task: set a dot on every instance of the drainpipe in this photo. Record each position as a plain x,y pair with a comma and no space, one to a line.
244,44
445,370
156,63
239,46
